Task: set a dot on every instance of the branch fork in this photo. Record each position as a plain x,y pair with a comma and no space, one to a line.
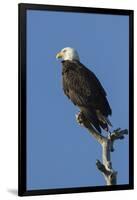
107,143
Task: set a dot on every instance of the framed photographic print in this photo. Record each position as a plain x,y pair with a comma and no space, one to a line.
75,99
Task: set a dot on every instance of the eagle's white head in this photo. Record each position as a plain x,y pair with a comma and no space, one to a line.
68,53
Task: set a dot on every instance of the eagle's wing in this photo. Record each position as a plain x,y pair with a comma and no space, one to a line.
84,89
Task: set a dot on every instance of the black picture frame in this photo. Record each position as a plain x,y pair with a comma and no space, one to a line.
22,190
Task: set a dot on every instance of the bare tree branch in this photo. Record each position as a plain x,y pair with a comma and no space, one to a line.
107,144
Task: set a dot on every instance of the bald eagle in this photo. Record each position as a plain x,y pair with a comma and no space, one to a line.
83,88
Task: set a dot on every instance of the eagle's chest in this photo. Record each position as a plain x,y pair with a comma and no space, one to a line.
68,73
70,78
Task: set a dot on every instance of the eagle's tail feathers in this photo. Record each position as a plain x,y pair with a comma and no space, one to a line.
104,126
108,121
103,118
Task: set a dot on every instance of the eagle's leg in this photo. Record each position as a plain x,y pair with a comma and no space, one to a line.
82,120
79,118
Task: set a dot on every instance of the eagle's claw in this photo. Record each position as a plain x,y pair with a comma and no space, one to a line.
79,118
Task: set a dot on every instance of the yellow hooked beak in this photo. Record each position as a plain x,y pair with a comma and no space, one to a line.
59,55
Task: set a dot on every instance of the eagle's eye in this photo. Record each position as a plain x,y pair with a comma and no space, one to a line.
64,50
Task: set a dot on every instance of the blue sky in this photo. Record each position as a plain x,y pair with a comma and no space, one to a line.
61,154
